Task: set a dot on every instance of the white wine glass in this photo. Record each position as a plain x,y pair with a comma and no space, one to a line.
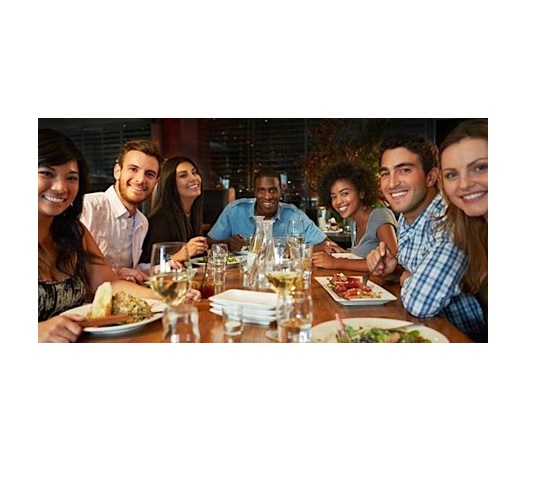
296,230
284,277
169,278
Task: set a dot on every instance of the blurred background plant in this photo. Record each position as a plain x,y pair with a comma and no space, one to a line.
334,140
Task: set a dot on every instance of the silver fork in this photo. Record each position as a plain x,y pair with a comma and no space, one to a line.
367,275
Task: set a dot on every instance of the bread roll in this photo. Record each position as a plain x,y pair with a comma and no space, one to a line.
102,304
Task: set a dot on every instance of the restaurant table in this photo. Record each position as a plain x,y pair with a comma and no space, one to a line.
324,309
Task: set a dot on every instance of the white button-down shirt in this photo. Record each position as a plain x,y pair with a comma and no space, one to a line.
105,215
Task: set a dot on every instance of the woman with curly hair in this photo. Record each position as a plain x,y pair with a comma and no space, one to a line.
352,191
464,178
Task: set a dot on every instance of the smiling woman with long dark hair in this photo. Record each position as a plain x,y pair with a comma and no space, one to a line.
70,264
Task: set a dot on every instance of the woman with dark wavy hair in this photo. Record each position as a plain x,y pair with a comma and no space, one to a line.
178,209
352,191
70,264
464,179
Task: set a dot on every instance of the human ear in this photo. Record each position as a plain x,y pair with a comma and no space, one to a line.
116,171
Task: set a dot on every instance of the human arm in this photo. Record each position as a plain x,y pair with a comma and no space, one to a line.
431,285
61,328
324,260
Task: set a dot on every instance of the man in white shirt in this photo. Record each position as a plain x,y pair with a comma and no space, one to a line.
113,217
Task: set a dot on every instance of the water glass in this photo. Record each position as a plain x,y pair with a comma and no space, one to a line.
243,266
304,252
295,316
218,258
233,323
180,324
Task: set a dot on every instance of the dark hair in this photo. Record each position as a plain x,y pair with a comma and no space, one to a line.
359,176
55,149
167,197
425,149
266,173
469,233
144,146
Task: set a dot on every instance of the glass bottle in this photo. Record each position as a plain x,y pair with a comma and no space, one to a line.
263,256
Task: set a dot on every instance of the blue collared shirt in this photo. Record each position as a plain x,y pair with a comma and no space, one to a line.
238,219
437,267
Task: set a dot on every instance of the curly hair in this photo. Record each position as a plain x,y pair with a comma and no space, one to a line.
55,149
359,176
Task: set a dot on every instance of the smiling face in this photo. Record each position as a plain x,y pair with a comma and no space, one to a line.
189,181
267,193
345,198
57,188
404,184
136,179
465,175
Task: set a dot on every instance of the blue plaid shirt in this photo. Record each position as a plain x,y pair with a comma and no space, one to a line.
437,267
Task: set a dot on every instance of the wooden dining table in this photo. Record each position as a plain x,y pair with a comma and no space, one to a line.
324,309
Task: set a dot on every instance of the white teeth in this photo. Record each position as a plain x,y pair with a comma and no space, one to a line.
473,196
398,195
51,199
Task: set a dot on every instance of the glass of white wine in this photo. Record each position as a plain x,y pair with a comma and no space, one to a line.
284,277
169,278
296,231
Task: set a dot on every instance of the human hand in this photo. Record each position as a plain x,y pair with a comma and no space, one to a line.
197,246
237,242
324,260
61,328
132,275
333,247
193,295
381,261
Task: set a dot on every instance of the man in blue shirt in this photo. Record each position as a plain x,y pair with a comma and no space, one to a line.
236,223
429,265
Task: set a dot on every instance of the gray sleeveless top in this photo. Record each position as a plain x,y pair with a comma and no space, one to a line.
56,297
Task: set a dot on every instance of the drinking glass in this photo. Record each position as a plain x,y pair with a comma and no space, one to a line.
285,276
180,324
296,230
218,257
304,251
170,279
295,317
233,323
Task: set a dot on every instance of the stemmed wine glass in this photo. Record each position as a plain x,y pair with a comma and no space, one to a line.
169,278
285,276
296,230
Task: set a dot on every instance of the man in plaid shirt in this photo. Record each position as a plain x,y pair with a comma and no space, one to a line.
429,265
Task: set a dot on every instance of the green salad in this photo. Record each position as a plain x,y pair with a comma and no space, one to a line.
375,335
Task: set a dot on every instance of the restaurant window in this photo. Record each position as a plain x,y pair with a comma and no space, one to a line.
100,141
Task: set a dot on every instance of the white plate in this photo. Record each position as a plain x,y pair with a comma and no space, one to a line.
200,261
333,232
248,317
250,310
156,305
246,298
326,331
349,256
384,298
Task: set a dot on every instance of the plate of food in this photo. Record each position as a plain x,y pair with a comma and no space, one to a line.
116,313
232,260
376,330
347,255
349,291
